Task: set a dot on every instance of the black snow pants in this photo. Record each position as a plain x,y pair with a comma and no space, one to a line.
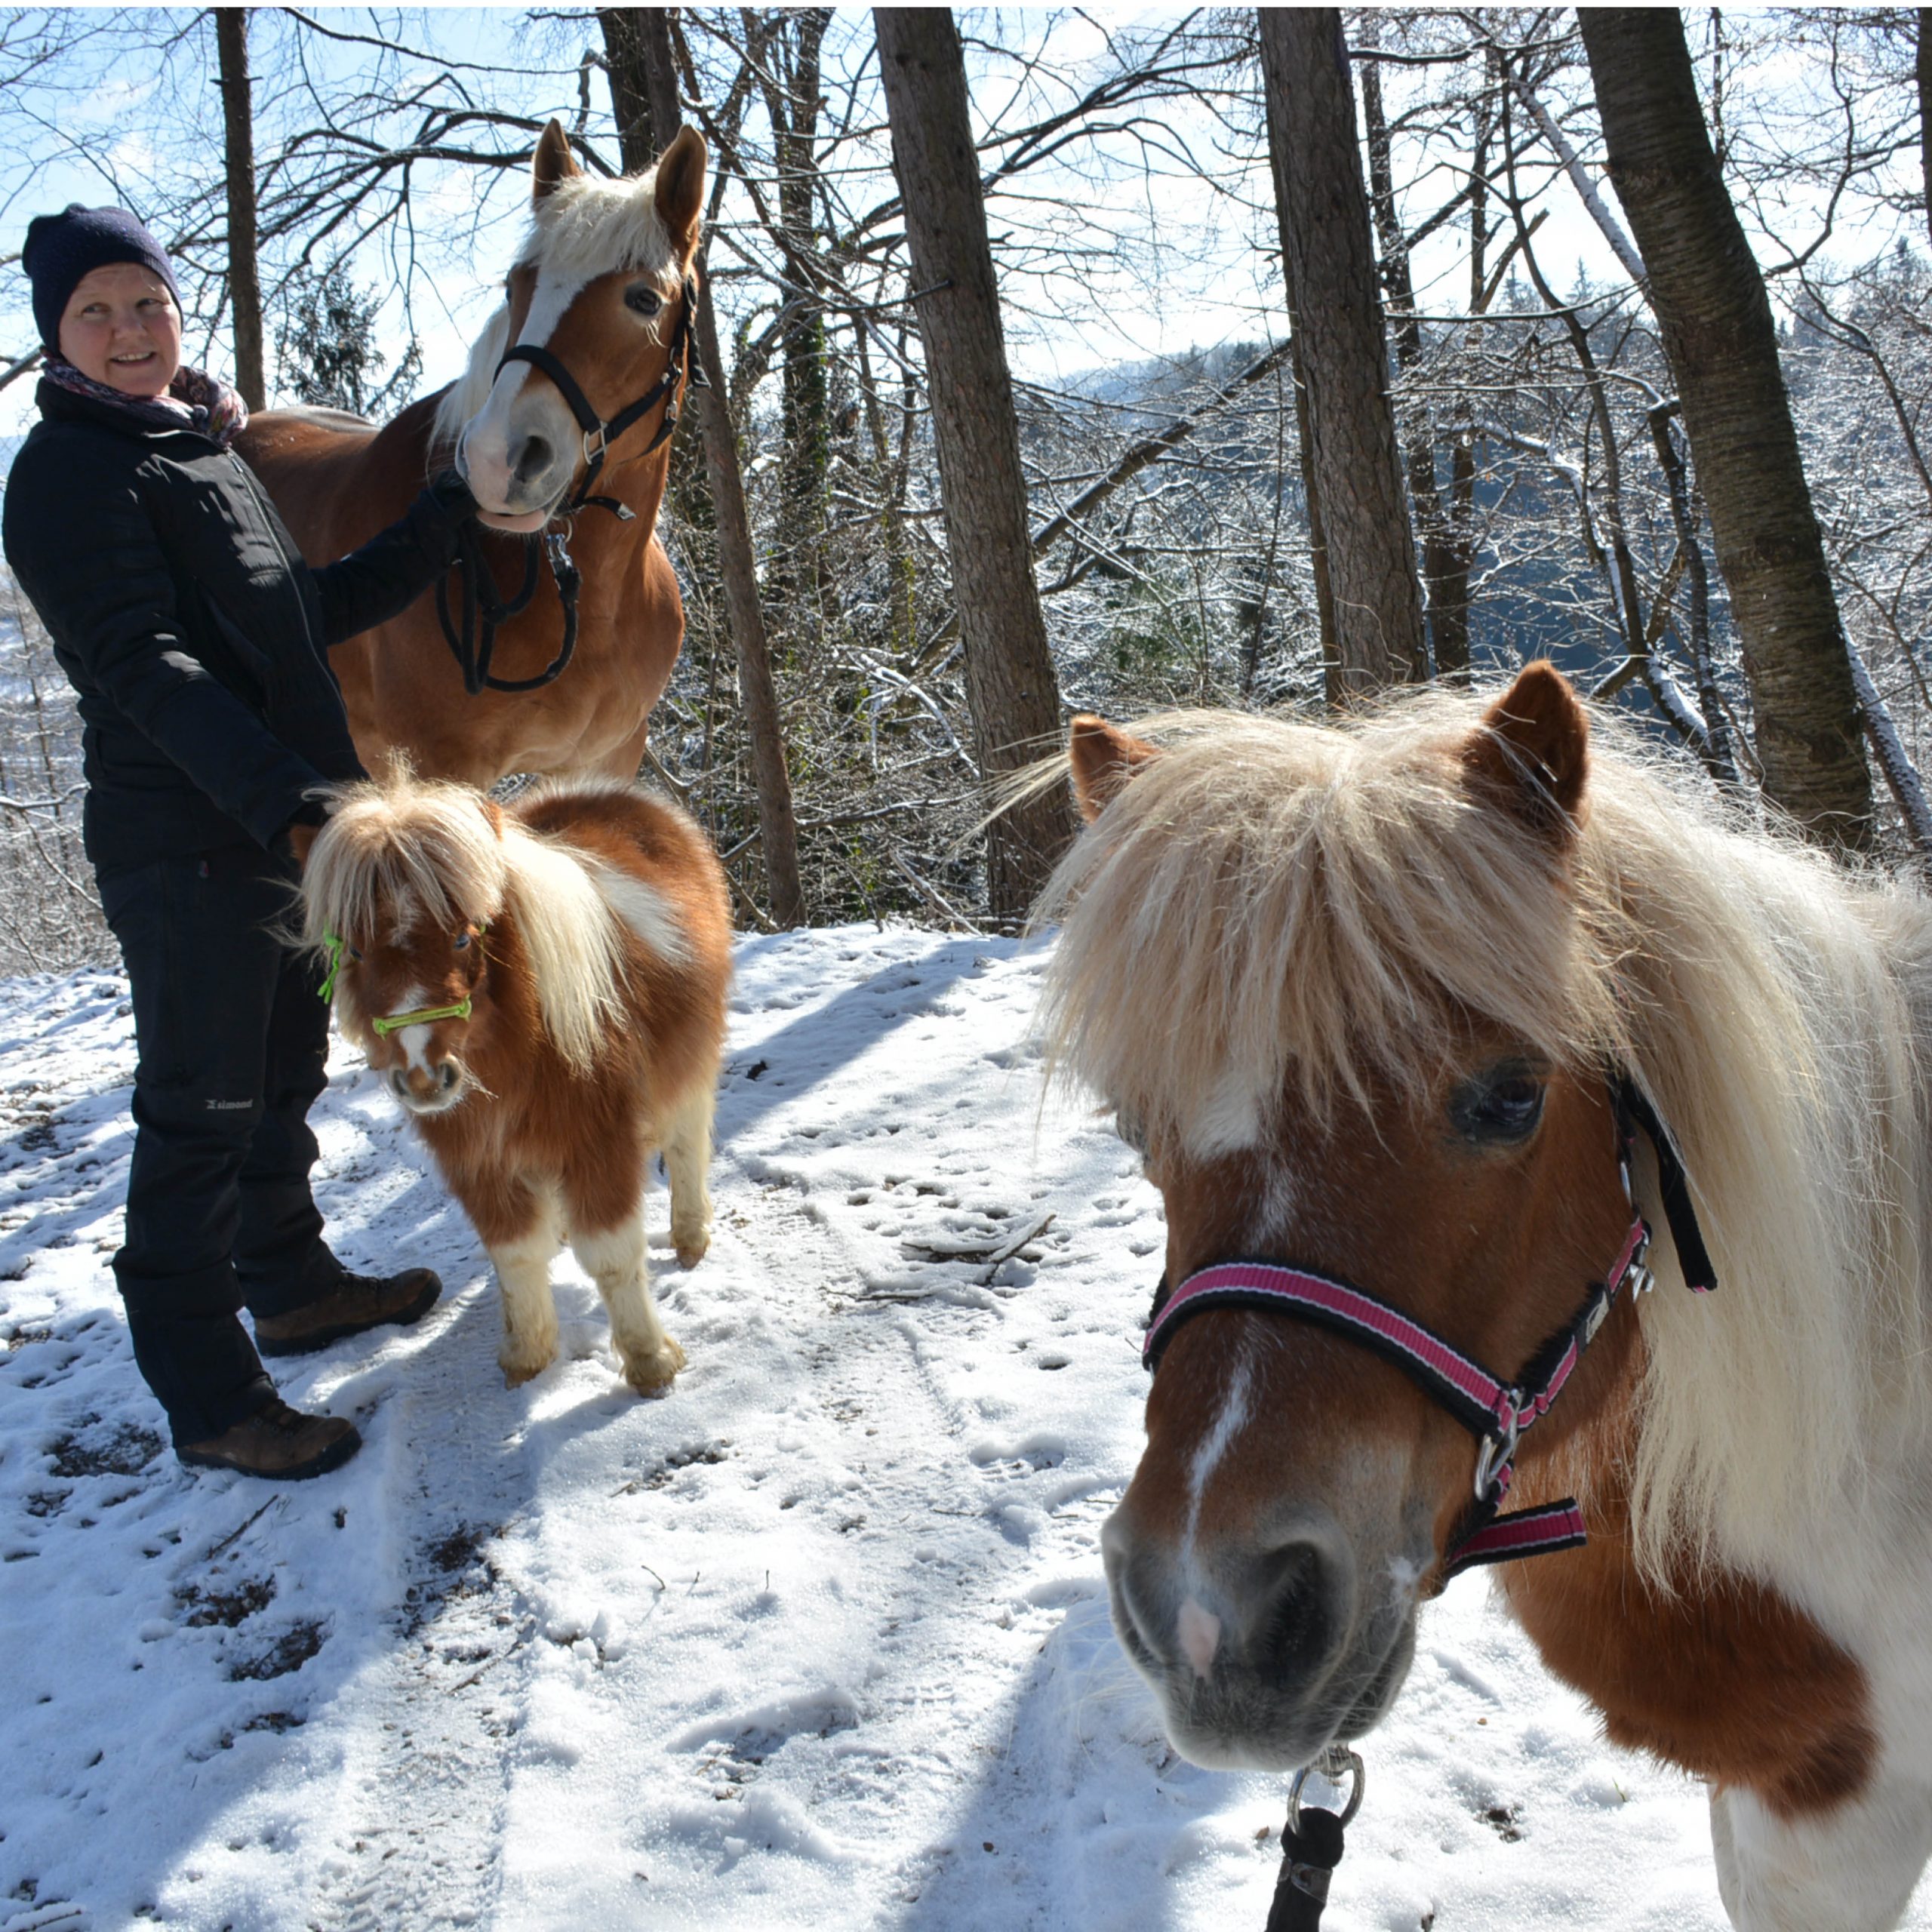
231,1042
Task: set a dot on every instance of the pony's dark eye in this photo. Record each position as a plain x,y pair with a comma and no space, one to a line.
643,299
462,940
1503,1102
354,952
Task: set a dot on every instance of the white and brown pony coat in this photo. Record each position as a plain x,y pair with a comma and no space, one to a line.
1355,989
570,955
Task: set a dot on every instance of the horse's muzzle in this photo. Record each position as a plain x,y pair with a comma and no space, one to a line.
430,1089
1261,1657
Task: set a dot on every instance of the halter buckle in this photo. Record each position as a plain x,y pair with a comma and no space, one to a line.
594,443
1498,1449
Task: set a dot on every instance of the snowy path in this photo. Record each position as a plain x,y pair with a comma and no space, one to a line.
820,1641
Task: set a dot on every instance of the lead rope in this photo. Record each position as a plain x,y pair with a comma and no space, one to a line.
1312,1842
473,644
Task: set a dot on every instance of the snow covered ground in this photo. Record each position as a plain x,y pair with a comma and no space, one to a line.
820,1641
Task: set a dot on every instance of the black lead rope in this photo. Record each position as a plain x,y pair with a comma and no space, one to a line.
1312,1843
1310,1852
472,641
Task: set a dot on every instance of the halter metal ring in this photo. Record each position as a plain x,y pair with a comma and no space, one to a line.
1335,1764
1496,1450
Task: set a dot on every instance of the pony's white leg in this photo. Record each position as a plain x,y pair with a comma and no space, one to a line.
615,1261
1850,1869
688,1159
523,1279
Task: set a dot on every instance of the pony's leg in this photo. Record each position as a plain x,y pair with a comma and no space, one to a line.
614,1260
1851,1869
687,1158
522,1261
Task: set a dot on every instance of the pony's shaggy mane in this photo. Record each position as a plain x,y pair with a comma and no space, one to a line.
407,850
1281,906
585,227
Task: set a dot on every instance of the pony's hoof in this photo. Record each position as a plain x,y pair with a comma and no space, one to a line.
692,1248
516,1373
653,1374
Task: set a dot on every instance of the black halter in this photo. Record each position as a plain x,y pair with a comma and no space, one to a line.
473,642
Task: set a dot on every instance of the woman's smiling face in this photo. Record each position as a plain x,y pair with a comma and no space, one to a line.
120,326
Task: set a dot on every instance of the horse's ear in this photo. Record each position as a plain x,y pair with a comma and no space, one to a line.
1103,757
680,192
1531,753
554,162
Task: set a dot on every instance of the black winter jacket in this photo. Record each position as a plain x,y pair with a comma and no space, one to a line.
183,614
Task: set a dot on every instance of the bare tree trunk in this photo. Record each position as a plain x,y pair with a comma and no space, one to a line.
1447,586
1336,319
639,39
1924,77
1721,344
245,286
1010,679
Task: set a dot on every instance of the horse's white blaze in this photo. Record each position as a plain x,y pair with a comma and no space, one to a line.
414,1040
516,409
1230,1120
1215,1444
645,909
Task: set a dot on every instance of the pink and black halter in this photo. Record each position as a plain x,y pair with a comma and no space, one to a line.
1494,1411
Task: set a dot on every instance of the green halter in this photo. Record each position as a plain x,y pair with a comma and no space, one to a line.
334,946
394,1022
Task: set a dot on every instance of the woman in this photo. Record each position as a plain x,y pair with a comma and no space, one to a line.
196,638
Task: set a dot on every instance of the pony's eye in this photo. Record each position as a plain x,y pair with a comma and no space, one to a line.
1503,1102
354,952
643,299
462,940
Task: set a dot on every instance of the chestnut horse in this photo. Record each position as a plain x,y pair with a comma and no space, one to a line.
543,986
1379,1002
601,290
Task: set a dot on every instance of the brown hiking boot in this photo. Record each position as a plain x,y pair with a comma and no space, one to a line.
277,1442
355,1302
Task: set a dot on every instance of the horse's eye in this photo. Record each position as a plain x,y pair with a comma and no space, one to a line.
643,299
462,940
354,952
1503,1102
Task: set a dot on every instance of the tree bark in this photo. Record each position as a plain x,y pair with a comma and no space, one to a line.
1924,72
245,286
1721,344
1011,683
1444,570
638,40
1336,320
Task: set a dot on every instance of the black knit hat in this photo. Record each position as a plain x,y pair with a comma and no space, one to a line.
61,248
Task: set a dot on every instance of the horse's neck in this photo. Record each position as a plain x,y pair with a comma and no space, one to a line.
639,485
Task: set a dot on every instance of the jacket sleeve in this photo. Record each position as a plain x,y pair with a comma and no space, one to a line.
89,558
383,579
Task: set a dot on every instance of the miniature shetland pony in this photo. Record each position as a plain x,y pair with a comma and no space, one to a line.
542,986
1375,999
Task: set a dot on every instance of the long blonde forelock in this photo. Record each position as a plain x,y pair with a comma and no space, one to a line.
1322,907
585,226
402,849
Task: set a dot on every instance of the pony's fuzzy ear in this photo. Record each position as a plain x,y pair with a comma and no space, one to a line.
1531,753
554,161
680,191
1103,757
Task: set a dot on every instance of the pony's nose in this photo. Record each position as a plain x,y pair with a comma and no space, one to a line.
1294,1613
534,456
413,1085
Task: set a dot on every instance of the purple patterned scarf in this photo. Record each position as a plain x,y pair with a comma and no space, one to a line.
195,400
